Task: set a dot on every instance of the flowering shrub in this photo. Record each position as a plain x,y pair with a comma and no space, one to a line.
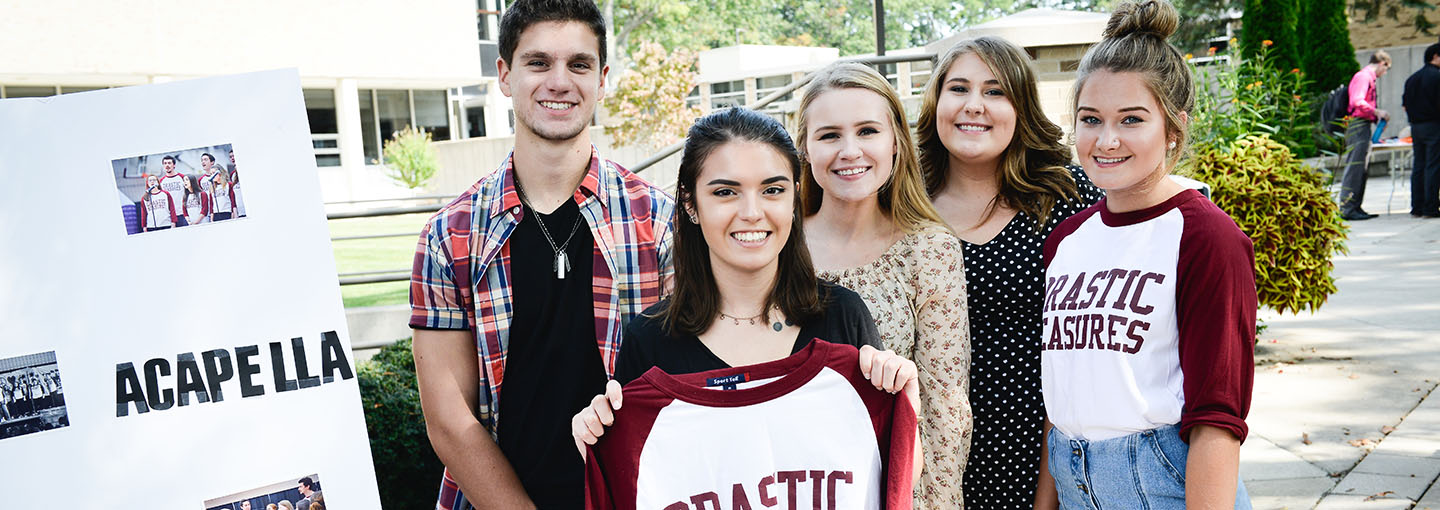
649,101
1250,97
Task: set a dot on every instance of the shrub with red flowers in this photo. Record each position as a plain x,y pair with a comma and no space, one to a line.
1241,98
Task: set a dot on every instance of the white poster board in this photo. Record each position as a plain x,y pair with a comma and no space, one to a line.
118,341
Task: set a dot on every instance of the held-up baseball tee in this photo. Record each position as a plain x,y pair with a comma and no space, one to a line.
806,431
1149,320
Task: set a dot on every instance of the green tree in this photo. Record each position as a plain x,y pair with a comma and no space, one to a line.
1203,20
1328,57
1274,21
409,158
649,99
845,24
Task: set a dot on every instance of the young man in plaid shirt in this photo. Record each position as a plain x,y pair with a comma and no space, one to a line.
521,285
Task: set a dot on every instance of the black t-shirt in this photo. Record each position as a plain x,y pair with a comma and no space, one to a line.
553,366
845,320
1420,94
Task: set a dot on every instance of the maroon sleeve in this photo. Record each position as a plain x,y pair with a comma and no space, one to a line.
894,422
900,477
612,465
1215,304
170,200
1065,228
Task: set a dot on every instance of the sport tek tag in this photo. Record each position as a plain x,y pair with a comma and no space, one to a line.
728,382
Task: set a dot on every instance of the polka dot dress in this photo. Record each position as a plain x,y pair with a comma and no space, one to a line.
1005,277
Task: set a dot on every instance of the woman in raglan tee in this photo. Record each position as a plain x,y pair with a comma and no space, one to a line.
197,202
222,198
1148,346
158,210
746,296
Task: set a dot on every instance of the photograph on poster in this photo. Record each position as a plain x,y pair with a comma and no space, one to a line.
293,494
31,397
179,188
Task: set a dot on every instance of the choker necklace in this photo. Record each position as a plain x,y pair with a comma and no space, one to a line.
777,325
562,261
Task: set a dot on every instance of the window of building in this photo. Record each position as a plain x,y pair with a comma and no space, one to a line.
890,72
475,121
383,113
392,112
727,93
15,91
368,128
324,129
920,74
72,90
766,85
431,114
487,16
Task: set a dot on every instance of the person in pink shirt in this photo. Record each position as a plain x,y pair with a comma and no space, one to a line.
1363,112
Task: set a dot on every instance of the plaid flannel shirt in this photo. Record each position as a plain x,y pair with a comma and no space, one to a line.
462,278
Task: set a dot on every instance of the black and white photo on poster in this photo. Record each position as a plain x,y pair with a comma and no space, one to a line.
179,188
32,398
302,493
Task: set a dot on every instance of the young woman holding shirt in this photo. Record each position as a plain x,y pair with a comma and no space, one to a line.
745,287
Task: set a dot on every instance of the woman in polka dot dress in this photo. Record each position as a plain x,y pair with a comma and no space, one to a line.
1000,175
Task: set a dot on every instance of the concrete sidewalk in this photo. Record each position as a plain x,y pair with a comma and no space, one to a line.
1345,413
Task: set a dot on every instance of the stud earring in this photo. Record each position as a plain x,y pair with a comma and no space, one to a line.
692,217
1172,145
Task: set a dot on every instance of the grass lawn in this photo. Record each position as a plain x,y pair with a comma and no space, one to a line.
384,254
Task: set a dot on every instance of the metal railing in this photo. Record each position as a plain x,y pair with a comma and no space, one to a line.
397,275
389,275
792,87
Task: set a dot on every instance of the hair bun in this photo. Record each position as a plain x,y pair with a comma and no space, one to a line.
1155,17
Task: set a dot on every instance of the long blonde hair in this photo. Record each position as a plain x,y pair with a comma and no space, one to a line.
902,198
1032,169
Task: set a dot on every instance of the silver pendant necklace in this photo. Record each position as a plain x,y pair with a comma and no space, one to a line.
562,260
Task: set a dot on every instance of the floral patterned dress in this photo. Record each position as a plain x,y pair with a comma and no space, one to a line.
916,292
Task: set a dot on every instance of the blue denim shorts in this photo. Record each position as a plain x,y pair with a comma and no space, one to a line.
1144,470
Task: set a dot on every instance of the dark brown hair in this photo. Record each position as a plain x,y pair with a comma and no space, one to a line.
695,302
1134,42
1032,169
521,14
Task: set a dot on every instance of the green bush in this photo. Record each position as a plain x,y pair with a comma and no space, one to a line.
410,158
405,465
1328,56
1273,21
1287,212
1252,97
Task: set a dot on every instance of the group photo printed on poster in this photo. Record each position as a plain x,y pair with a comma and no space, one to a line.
294,494
31,396
179,188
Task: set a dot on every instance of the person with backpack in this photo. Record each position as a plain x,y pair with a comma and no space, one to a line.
1422,106
1363,112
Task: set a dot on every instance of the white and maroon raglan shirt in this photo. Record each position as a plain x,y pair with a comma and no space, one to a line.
804,432
158,211
175,186
1149,320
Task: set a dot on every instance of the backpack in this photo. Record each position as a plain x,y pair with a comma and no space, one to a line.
1334,110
